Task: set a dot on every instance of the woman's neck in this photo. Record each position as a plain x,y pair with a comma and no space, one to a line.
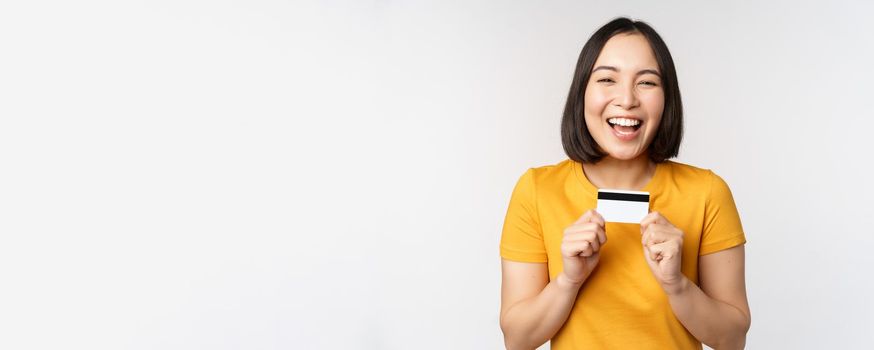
614,173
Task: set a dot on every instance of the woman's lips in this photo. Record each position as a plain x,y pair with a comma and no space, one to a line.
624,133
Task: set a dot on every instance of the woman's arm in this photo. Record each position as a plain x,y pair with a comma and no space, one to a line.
717,313
532,308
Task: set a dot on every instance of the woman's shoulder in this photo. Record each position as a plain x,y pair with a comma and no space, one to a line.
552,172
549,175
690,176
686,170
564,165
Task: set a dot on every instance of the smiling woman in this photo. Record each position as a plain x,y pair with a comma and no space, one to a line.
672,281
632,68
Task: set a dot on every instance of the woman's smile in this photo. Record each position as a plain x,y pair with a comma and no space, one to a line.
625,128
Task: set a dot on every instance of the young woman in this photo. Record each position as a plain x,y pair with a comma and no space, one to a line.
672,281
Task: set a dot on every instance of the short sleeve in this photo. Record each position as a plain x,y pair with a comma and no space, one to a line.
522,237
722,227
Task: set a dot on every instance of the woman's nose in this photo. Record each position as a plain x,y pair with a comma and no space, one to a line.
626,97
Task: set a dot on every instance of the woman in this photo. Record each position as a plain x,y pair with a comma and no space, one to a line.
673,281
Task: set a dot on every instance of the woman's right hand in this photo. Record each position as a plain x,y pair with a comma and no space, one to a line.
581,245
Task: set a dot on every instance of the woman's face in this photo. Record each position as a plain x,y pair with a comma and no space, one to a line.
624,98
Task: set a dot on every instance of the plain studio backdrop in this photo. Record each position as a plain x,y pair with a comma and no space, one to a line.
301,175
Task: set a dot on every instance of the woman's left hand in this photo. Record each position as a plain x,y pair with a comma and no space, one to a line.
663,250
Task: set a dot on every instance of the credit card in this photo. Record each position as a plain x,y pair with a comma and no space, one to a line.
623,206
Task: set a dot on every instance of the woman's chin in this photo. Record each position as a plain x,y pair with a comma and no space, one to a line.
624,154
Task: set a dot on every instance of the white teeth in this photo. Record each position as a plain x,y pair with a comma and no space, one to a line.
623,121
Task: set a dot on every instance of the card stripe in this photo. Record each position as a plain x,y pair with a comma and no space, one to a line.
623,196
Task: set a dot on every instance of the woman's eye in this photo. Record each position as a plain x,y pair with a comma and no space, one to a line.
605,80
650,83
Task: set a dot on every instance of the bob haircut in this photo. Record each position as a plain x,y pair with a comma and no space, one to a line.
575,137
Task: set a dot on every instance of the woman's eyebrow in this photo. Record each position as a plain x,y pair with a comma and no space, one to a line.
641,72
605,67
650,71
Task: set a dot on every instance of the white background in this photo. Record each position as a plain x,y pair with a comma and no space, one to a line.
273,175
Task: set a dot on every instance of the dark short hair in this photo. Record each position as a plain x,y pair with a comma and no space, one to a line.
575,137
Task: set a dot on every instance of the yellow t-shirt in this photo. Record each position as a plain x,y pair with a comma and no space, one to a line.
621,305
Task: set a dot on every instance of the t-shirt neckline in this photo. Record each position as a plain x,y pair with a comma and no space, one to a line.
589,186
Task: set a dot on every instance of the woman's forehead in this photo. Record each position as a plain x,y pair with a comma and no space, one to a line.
627,51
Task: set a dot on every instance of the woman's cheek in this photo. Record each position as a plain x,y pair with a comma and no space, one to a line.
597,99
654,104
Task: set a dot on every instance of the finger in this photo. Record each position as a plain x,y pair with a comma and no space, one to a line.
647,220
586,249
591,231
653,217
656,252
578,248
597,218
590,237
587,252
663,251
654,234
576,229
595,242
645,236
667,232
602,235
586,217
